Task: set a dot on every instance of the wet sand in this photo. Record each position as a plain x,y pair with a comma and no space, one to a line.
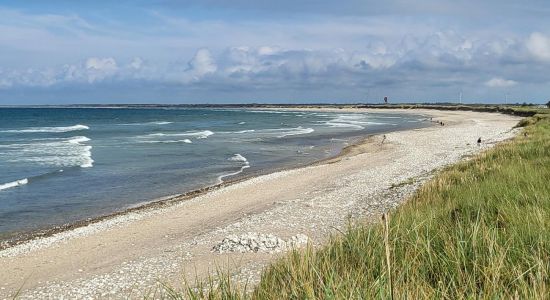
126,255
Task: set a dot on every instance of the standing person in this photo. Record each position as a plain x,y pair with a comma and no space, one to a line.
386,99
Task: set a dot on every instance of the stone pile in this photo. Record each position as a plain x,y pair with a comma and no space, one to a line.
259,242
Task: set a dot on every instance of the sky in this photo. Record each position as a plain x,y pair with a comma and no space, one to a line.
284,51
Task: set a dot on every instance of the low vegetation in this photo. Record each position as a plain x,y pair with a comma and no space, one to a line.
479,229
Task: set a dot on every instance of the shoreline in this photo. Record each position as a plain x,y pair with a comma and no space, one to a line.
166,243
169,200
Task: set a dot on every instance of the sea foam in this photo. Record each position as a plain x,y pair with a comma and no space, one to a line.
146,123
62,152
50,129
13,184
356,121
186,141
239,158
196,134
296,131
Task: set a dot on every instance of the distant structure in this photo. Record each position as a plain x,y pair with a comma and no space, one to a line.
386,99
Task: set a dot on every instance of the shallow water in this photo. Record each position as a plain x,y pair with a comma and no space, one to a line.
60,165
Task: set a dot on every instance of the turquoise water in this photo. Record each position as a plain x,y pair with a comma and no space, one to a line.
60,165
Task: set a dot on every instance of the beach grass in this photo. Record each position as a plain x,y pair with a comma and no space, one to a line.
478,229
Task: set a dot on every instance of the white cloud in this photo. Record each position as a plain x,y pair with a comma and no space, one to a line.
539,45
442,60
136,63
200,65
500,82
98,69
101,64
203,63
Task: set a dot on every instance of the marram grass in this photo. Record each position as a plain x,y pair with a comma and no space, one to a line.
479,229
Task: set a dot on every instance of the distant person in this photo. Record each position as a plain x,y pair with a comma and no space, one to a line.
386,99
479,141
383,139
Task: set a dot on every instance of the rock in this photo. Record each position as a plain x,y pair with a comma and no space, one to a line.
259,242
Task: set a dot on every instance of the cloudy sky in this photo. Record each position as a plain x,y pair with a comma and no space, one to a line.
219,51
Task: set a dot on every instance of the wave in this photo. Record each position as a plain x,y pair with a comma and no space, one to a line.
187,141
346,125
25,181
274,132
77,127
197,134
146,123
236,157
296,131
13,184
357,121
78,140
62,152
245,131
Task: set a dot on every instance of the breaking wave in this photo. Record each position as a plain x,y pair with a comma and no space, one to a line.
238,158
186,141
77,127
62,152
296,131
356,121
196,134
146,123
13,184
245,131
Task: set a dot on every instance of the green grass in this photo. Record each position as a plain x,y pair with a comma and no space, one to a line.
478,229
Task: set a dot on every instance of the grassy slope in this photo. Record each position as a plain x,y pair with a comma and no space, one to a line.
480,229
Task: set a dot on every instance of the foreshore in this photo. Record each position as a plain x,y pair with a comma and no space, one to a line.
128,254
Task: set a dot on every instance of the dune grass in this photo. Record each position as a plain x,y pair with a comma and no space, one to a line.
479,229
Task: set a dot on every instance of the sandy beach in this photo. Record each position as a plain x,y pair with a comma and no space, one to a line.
128,255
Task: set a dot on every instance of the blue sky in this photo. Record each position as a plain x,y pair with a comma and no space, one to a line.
217,51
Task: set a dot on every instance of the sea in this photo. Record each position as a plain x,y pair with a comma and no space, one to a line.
63,165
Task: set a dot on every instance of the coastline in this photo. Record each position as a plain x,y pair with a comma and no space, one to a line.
343,163
169,200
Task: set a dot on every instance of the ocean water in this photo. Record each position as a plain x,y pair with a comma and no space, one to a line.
61,165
